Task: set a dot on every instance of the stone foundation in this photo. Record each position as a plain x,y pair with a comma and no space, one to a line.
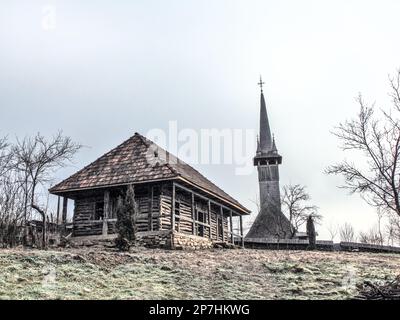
182,241
155,239
167,239
164,239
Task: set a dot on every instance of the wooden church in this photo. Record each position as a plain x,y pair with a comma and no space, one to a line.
178,207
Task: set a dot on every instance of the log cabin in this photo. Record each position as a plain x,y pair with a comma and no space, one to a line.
178,207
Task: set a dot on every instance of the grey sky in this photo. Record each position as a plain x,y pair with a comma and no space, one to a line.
109,69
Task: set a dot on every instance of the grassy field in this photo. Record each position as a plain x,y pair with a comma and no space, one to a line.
209,274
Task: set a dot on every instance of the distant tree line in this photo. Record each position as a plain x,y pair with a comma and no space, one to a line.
388,234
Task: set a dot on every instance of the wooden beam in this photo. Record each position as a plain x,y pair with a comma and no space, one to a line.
150,214
58,210
241,231
222,223
193,216
203,224
64,210
231,225
217,227
173,208
209,217
106,212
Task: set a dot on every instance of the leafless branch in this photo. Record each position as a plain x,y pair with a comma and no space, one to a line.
378,139
295,205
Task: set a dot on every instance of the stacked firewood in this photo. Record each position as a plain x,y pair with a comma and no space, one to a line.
387,291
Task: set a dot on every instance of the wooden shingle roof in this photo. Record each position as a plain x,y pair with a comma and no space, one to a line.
137,160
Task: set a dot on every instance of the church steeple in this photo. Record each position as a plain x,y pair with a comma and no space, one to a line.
266,148
270,221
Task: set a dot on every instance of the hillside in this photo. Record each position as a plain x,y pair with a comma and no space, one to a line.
211,274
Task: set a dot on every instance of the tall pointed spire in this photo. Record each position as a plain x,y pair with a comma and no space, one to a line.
265,131
270,221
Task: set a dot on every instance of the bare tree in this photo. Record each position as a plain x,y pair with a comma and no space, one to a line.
333,230
295,205
372,236
378,139
378,230
393,230
346,233
11,209
10,200
35,159
5,156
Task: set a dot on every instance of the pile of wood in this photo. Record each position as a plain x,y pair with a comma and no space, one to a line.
388,291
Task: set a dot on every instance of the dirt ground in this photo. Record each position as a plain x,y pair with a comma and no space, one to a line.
208,274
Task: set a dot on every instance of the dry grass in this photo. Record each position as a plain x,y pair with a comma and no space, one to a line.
208,274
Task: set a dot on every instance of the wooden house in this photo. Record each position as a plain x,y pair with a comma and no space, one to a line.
178,206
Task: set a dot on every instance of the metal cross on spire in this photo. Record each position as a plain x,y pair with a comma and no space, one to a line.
261,84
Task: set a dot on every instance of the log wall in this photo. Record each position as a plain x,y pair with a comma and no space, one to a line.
183,221
148,202
155,205
83,217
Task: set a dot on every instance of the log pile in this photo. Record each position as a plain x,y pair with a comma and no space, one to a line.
388,291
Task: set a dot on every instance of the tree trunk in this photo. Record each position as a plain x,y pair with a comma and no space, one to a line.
26,231
44,233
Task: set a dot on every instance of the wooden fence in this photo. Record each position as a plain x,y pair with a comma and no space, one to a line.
365,247
295,244
286,244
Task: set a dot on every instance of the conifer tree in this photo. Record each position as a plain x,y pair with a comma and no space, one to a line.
312,237
127,212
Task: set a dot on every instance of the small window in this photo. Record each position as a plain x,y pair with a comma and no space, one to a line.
99,211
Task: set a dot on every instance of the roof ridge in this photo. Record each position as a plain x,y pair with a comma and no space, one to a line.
148,142
142,138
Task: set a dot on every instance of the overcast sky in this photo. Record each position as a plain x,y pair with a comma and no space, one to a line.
102,70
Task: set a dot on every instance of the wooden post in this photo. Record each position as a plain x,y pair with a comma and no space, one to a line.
58,210
209,217
173,208
150,214
64,214
222,223
231,226
193,216
106,212
241,230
